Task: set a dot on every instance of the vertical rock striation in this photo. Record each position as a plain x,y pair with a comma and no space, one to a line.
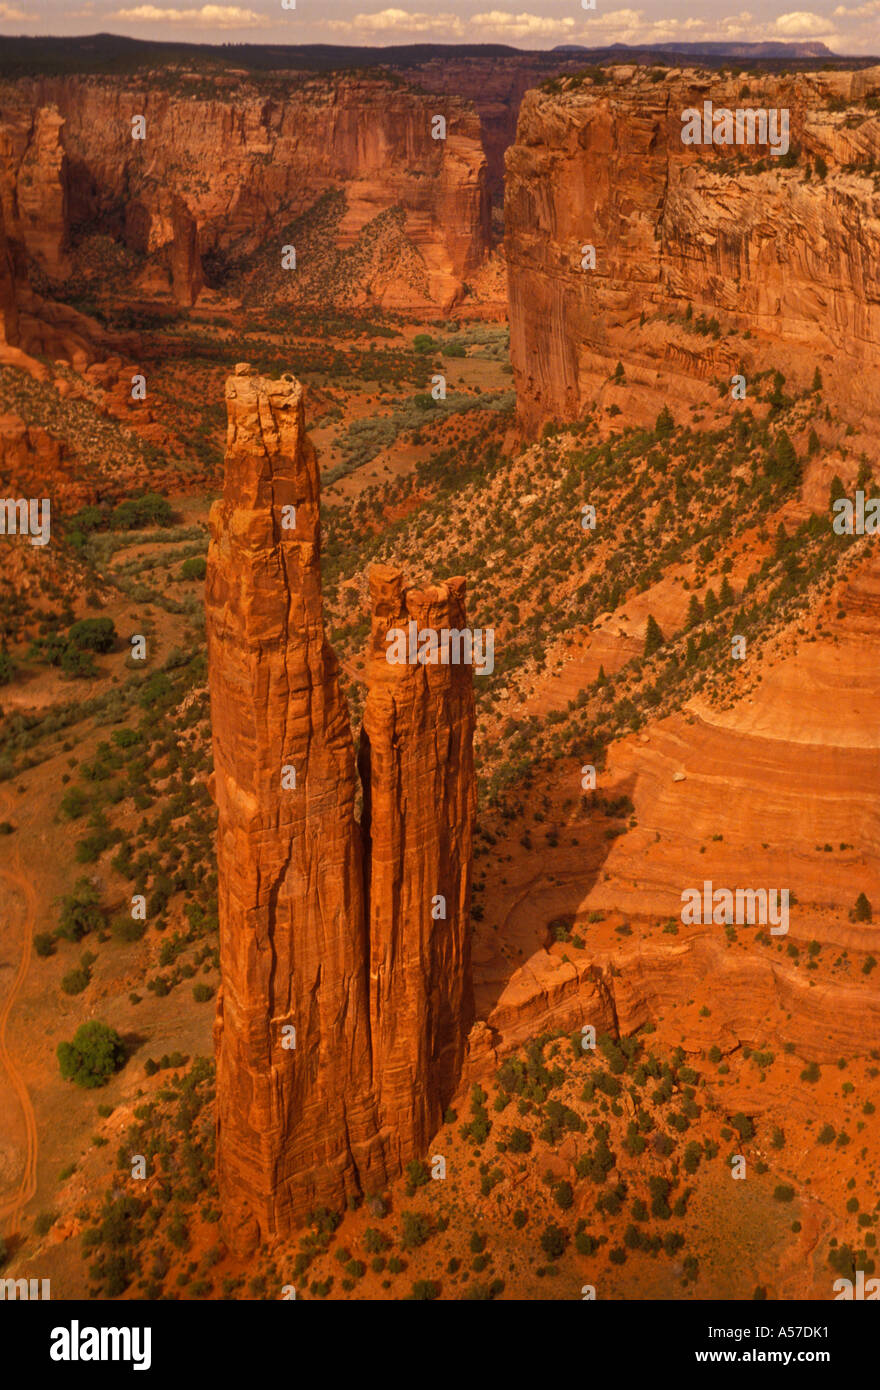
222,174
782,258
295,1125
313,937
416,761
186,263
8,301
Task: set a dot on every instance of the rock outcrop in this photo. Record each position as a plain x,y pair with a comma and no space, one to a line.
416,762
41,193
33,185
222,172
783,254
186,263
316,935
8,299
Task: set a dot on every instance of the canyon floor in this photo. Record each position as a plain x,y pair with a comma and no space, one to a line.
720,1049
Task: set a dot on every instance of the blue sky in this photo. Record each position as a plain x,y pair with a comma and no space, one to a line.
847,28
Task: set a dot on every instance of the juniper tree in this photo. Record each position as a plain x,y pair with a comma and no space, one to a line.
862,911
654,638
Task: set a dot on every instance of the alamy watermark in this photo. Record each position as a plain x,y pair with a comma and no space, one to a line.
863,519
25,516
740,906
744,126
445,646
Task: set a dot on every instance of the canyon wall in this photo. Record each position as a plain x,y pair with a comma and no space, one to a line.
784,254
496,85
325,924
225,164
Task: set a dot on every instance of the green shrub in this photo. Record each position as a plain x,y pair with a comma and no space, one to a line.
44,1222
194,567
553,1241
519,1141
563,1195
148,510
92,1057
80,912
92,634
424,1289
415,1230
75,981
128,929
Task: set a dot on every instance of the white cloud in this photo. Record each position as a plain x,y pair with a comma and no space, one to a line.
525,26
801,23
208,17
402,21
8,13
857,31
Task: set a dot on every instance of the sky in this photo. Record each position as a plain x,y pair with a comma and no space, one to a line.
846,28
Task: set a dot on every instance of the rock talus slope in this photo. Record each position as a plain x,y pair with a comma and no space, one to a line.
325,923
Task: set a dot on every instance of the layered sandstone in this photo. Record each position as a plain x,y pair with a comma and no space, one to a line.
33,185
788,259
296,1125
325,925
220,173
416,762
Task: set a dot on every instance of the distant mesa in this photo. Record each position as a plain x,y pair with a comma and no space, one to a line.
808,49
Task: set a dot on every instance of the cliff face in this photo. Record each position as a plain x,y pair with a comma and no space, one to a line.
420,794
772,246
496,86
305,1126
8,301
33,186
221,172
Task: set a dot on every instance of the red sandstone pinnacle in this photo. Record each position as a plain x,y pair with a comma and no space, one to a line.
381,1022
416,761
296,1127
186,265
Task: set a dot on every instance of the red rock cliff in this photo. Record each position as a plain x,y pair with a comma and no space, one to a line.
381,1001
236,160
788,256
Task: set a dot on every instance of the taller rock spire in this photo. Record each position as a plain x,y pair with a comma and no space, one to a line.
296,1123
346,995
